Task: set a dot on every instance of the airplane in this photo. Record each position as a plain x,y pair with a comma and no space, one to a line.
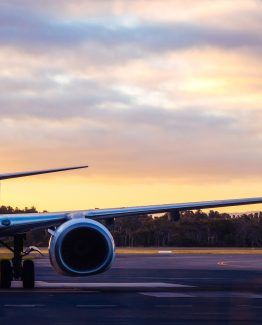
80,245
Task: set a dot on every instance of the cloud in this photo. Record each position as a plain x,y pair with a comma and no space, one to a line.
136,97
186,145
33,31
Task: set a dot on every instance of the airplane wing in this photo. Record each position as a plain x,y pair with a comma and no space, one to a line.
11,224
151,209
38,172
19,223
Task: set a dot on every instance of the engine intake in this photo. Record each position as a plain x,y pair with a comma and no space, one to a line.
81,247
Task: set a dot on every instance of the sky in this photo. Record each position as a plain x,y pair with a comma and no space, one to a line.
162,101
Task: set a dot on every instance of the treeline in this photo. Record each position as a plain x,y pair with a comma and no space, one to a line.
193,229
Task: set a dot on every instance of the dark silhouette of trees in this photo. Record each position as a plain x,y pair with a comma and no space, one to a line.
197,228
193,229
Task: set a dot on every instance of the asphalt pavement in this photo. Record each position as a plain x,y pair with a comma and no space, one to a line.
144,289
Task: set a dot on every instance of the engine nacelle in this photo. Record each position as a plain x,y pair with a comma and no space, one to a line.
81,247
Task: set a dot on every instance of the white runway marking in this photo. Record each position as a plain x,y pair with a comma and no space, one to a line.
23,306
174,306
166,294
210,294
165,252
221,294
96,306
93,286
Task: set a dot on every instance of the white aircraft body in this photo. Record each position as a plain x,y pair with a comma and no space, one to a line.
79,244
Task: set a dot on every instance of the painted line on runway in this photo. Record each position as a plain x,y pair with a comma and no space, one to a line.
228,263
49,290
166,294
173,306
217,294
230,294
106,285
237,263
165,252
24,306
97,306
166,278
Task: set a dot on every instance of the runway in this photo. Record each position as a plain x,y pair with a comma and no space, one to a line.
144,289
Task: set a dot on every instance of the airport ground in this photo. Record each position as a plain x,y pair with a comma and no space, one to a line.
158,286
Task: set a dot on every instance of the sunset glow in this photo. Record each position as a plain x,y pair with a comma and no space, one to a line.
162,101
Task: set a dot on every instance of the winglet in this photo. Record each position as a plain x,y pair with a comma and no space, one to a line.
38,172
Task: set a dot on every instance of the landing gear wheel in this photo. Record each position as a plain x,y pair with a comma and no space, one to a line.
28,274
5,274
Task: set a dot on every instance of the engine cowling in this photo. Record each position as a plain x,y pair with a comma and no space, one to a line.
81,247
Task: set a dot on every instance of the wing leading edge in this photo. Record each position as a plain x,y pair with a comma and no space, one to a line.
151,209
38,172
13,223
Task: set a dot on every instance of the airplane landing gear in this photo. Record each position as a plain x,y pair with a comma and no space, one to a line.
17,269
28,274
5,274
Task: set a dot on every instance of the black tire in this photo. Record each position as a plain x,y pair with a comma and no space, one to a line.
5,274
28,274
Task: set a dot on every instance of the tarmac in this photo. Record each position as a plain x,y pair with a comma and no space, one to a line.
156,288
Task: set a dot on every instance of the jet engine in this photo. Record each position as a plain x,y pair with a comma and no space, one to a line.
81,247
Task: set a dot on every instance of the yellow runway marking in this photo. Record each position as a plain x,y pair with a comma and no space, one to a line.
162,250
